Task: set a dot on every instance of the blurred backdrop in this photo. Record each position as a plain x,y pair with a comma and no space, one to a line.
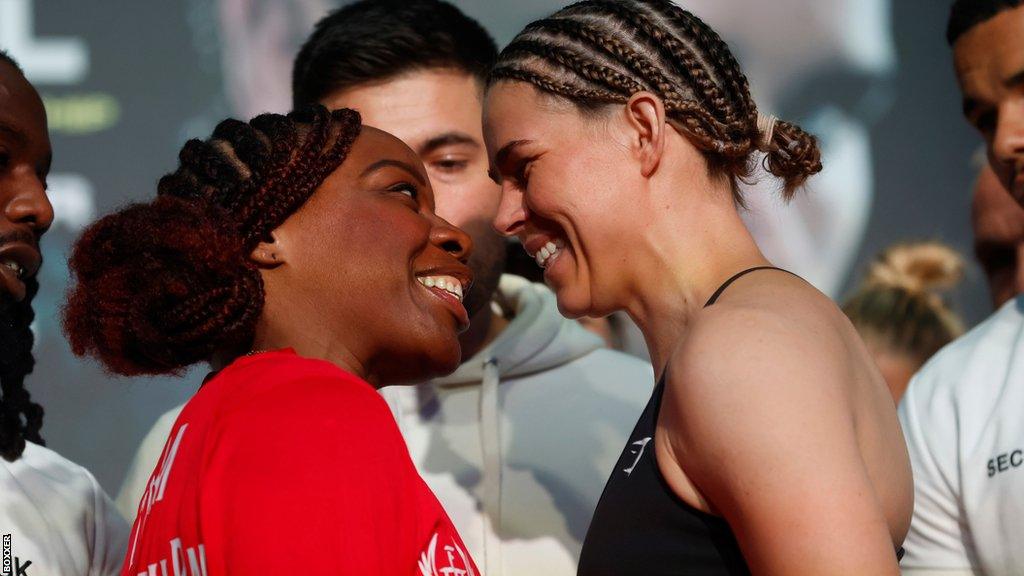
127,82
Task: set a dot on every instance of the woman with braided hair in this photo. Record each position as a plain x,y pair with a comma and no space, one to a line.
618,130
300,256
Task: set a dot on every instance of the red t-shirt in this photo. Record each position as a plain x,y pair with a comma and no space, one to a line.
285,465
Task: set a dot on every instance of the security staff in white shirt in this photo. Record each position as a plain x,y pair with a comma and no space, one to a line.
963,414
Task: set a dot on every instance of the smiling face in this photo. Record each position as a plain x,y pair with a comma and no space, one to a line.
367,262
437,113
24,164
989,62
573,191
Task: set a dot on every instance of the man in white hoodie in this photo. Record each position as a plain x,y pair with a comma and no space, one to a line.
518,442
54,517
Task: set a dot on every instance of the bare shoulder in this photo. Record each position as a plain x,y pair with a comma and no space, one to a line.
785,334
770,417
772,365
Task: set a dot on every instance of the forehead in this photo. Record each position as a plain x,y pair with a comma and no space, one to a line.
991,52
417,105
20,105
374,144
518,111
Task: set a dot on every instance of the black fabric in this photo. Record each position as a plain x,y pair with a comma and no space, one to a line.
718,293
642,528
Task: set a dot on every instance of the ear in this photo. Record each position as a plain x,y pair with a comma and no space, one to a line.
268,253
646,116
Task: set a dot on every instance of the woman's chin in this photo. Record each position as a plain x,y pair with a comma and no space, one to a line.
449,364
445,359
572,305
437,353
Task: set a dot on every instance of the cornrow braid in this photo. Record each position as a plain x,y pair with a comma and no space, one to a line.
721,58
599,52
311,165
596,73
695,120
675,50
554,87
20,417
635,61
160,286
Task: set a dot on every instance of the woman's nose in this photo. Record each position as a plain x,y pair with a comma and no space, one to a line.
511,212
451,239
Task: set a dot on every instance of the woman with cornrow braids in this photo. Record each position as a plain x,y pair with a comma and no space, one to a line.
619,131
300,257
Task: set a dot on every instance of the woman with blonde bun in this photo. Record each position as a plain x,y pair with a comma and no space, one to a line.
899,310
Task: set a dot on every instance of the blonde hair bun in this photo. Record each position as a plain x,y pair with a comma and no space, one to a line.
918,267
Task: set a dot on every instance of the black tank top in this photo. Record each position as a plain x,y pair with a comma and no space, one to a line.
641,527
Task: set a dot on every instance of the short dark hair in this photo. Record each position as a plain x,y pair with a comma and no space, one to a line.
967,14
5,56
374,40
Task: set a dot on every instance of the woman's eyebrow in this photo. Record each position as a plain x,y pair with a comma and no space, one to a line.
388,162
502,157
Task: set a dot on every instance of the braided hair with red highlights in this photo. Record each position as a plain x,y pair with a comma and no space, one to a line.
599,52
162,285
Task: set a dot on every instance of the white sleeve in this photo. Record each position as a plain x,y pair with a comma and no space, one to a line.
146,458
939,536
110,536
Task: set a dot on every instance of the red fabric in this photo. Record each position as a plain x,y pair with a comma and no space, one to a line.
285,465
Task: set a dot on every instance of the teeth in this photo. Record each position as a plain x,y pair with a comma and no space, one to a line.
547,251
449,284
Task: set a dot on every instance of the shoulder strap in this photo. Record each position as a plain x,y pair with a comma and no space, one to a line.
718,293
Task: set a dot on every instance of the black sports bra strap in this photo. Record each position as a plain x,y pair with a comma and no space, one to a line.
718,293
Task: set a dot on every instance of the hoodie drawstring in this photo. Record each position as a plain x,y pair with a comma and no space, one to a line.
490,441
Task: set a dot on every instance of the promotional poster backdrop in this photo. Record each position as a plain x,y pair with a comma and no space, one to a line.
127,82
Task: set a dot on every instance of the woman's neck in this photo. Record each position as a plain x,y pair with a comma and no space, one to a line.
275,331
680,258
